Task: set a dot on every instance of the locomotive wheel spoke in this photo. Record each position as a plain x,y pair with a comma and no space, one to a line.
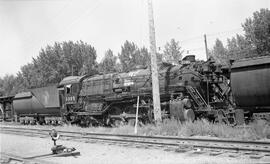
131,122
118,123
221,117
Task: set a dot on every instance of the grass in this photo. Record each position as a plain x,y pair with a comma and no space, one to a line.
255,131
259,130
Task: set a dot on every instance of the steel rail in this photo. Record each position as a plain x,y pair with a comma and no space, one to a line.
151,137
10,158
152,140
165,143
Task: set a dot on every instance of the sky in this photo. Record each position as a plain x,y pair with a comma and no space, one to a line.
26,26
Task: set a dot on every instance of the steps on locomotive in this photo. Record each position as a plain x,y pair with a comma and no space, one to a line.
196,96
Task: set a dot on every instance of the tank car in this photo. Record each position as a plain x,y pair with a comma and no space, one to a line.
250,84
200,88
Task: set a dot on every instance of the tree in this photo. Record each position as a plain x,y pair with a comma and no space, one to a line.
29,76
1,87
108,63
257,31
238,48
7,85
131,56
144,57
159,57
219,52
172,52
255,41
58,61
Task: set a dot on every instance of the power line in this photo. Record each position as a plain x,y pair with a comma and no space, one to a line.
209,35
195,49
86,12
53,20
242,51
191,39
223,32
68,27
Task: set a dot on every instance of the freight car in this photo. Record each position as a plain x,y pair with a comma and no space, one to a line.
250,84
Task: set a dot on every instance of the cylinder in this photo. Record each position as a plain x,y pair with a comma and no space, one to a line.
250,83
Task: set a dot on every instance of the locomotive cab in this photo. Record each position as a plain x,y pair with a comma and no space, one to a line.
71,93
69,90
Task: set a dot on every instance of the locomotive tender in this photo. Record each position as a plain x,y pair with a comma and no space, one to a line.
192,89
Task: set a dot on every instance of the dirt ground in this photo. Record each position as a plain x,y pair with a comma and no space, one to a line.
103,153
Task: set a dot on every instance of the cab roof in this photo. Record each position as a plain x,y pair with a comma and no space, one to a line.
71,80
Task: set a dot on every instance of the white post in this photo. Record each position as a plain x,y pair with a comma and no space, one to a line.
137,112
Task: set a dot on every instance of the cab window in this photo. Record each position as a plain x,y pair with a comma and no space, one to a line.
68,89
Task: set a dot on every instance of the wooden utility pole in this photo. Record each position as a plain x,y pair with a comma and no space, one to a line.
207,57
154,70
206,49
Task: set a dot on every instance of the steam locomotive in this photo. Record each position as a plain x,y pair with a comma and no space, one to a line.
112,98
191,90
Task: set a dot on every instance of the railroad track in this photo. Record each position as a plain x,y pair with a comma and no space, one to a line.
254,149
6,158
